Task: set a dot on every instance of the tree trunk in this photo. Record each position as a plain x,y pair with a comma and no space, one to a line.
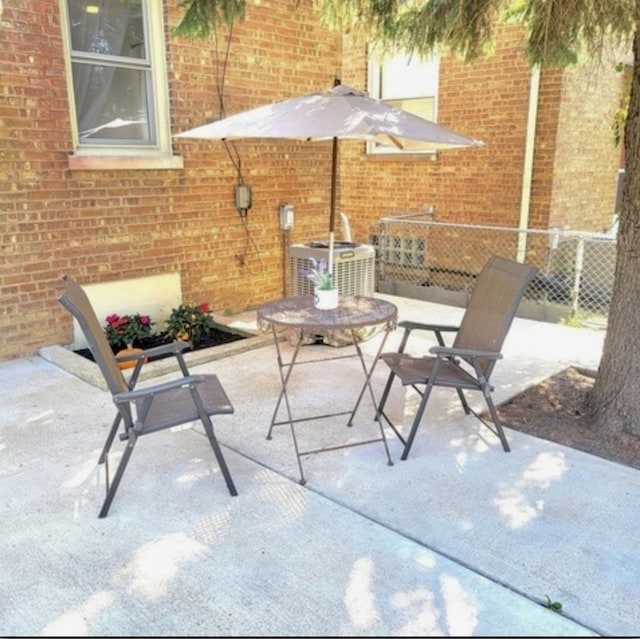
615,398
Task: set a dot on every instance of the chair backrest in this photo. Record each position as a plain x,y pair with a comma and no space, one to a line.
75,300
492,306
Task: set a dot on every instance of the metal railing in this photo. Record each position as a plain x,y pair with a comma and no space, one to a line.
422,259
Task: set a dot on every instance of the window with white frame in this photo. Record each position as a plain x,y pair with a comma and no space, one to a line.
408,82
117,77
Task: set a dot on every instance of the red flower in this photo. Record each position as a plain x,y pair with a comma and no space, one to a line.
125,329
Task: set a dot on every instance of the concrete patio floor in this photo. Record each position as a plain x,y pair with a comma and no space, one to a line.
461,539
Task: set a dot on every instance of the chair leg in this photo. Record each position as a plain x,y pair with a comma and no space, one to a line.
463,401
380,408
208,426
110,437
417,420
496,422
111,489
385,395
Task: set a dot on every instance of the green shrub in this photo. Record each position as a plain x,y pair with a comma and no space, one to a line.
190,323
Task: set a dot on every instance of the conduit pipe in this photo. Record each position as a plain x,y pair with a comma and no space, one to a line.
527,172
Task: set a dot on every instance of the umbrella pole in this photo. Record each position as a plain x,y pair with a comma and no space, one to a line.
332,210
331,258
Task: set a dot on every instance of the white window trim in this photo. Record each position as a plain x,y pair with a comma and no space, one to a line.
375,91
158,156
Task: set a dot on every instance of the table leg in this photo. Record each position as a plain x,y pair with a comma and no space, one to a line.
284,379
367,384
285,369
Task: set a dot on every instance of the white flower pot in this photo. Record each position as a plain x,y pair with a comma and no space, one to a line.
325,299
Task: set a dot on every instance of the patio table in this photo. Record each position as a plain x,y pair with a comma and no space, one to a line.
354,312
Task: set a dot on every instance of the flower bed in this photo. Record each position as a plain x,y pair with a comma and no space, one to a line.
215,337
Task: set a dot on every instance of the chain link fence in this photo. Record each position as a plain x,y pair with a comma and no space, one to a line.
422,259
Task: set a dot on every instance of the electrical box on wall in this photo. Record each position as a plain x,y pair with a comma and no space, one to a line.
286,217
243,198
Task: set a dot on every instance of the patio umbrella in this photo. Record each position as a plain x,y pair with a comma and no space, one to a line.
332,114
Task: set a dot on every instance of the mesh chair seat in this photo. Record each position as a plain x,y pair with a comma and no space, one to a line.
175,407
414,370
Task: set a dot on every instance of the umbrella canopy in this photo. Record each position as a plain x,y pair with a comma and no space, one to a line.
338,113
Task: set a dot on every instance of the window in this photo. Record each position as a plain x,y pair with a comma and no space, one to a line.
117,81
407,82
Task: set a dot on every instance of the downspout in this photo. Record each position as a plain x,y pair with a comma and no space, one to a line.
527,171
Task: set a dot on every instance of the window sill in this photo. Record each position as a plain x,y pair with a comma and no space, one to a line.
124,162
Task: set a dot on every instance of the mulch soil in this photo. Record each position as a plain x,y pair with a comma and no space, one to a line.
215,338
555,410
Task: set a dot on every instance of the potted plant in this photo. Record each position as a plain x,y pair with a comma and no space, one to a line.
123,331
325,295
190,323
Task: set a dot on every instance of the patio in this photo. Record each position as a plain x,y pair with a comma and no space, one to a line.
460,539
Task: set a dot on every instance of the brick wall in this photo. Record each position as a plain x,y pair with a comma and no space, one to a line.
586,157
486,100
119,224
111,225
547,115
574,175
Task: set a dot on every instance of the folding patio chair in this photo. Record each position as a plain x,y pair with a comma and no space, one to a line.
146,410
469,362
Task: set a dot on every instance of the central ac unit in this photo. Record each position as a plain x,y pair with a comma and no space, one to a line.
353,268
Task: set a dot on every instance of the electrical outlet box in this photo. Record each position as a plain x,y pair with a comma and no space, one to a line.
286,217
243,197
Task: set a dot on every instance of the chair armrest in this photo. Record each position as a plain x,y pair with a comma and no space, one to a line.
129,357
173,347
141,393
438,329
412,326
446,351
